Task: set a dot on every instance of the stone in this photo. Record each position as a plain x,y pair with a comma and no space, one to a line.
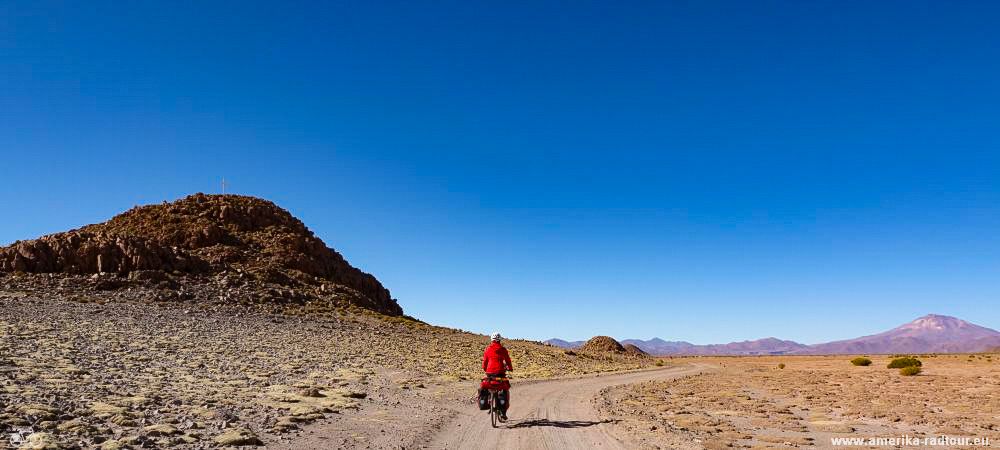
154,276
310,392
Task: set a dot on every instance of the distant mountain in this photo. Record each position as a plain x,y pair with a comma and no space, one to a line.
929,334
657,346
564,344
767,346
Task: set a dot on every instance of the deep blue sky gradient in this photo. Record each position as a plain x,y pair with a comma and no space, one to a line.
707,171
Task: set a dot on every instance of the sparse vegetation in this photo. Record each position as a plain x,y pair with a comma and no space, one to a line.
903,362
781,365
659,363
909,371
861,361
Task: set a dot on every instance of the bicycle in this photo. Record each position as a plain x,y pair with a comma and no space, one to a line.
494,400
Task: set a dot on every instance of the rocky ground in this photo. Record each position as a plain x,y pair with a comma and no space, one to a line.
113,371
751,402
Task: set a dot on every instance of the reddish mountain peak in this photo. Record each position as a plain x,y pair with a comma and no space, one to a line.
938,324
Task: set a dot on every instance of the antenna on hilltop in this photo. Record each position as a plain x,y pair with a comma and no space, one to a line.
224,184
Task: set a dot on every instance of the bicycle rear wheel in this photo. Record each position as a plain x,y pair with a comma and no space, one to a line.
493,409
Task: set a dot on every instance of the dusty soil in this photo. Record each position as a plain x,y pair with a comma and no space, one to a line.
554,413
750,402
195,375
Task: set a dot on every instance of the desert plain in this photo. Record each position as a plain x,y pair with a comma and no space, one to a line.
805,401
133,374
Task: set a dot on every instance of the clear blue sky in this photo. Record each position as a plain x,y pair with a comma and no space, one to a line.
707,171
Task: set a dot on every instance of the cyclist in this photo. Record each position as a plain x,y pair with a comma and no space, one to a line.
496,363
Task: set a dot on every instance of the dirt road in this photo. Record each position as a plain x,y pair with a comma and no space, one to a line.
555,414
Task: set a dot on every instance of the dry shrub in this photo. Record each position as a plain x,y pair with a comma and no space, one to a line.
907,361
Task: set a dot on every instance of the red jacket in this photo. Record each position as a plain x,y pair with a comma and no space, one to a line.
496,359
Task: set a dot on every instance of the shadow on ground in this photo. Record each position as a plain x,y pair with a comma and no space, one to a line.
528,423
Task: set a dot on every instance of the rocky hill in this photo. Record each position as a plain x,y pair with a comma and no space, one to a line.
606,345
634,350
603,344
245,244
